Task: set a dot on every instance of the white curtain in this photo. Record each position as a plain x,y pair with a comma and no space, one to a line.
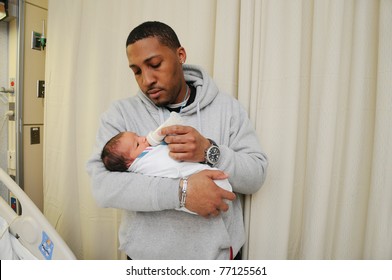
315,77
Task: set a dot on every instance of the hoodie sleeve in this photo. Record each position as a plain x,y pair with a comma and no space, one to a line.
242,157
126,190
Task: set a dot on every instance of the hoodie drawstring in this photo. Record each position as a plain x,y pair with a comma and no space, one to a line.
199,118
161,116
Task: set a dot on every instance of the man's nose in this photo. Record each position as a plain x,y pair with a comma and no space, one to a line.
148,78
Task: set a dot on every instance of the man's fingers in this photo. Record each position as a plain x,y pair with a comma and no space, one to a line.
205,197
216,174
228,195
175,129
224,207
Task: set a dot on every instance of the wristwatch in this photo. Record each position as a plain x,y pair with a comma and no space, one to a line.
212,154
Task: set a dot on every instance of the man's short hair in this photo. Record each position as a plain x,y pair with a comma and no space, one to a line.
163,32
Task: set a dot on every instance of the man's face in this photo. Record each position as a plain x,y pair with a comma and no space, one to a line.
157,70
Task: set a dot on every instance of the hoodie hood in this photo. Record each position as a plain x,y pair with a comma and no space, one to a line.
206,89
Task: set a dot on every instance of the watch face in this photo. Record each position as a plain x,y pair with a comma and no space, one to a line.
213,154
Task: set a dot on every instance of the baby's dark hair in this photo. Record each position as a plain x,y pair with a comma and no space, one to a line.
112,158
163,32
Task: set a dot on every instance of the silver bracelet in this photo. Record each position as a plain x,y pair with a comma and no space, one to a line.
183,191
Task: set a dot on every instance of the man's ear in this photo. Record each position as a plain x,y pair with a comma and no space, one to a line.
181,53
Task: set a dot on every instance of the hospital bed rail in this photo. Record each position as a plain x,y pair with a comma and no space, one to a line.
31,228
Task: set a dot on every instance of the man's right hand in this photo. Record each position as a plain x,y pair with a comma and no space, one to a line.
204,197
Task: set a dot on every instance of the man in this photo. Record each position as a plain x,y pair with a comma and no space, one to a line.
218,132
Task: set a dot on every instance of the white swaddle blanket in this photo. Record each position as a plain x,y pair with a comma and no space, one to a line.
155,161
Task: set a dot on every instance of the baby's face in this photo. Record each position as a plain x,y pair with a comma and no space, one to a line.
132,145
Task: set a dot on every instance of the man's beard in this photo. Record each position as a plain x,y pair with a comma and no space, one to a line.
162,101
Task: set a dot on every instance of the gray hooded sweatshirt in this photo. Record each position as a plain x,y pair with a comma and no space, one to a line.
151,228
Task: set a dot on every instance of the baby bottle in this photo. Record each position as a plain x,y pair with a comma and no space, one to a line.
154,137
